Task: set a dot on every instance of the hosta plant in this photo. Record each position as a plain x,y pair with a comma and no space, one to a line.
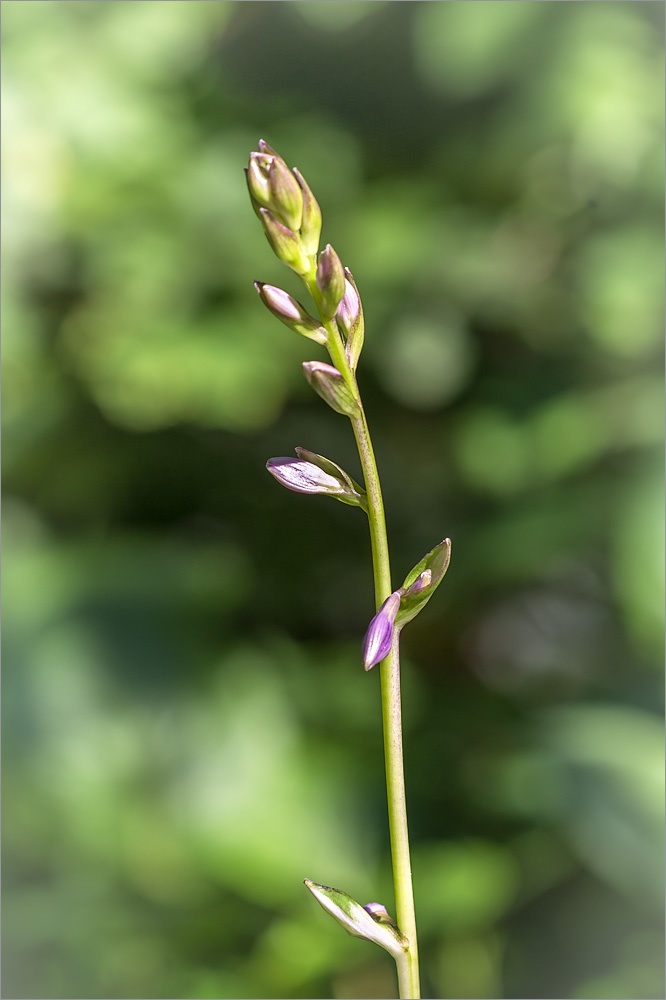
291,219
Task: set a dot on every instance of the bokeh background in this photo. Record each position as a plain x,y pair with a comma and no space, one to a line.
188,731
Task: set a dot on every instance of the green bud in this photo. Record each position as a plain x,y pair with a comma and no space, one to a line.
420,584
349,318
329,383
370,922
286,245
257,185
286,194
311,224
330,281
290,312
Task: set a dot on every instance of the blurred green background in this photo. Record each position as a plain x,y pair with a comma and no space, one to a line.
188,732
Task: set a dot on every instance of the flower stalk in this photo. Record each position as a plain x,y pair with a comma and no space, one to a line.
291,218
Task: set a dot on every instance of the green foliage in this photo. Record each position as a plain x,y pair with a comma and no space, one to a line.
184,740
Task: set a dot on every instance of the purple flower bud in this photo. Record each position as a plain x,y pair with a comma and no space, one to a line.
330,280
350,319
379,913
311,224
329,383
286,245
312,473
303,477
290,312
379,636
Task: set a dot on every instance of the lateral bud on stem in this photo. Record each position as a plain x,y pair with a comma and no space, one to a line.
290,312
329,383
286,244
312,473
330,280
370,922
311,224
350,320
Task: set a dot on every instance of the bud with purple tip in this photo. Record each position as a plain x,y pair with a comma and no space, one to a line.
312,473
329,383
290,312
350,320
330,280
422,582
273,186
366,922
405,603
378,638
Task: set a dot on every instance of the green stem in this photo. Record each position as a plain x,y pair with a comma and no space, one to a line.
408,964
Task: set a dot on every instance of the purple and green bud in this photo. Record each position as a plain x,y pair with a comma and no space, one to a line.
329,383
422,582
311,224
273,186
285,243
350,320
290,312
378,638
330,281
312,473
405,603
366,922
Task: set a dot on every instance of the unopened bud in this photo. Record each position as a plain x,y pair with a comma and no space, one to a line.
360,921
257,174
378,638
286,245
329,383
290,312
287,198
350,320
421,583
312,473
330,280
311,224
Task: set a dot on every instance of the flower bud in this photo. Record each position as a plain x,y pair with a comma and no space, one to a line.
330,281
311,224
378,638
273,186
420,584
286,194
350,320
256,175
286,245
312,473
360,921
290,312
328,382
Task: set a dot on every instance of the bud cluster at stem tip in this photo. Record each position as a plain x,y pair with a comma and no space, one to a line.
286,207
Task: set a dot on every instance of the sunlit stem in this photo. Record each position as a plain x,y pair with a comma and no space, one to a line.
408,964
